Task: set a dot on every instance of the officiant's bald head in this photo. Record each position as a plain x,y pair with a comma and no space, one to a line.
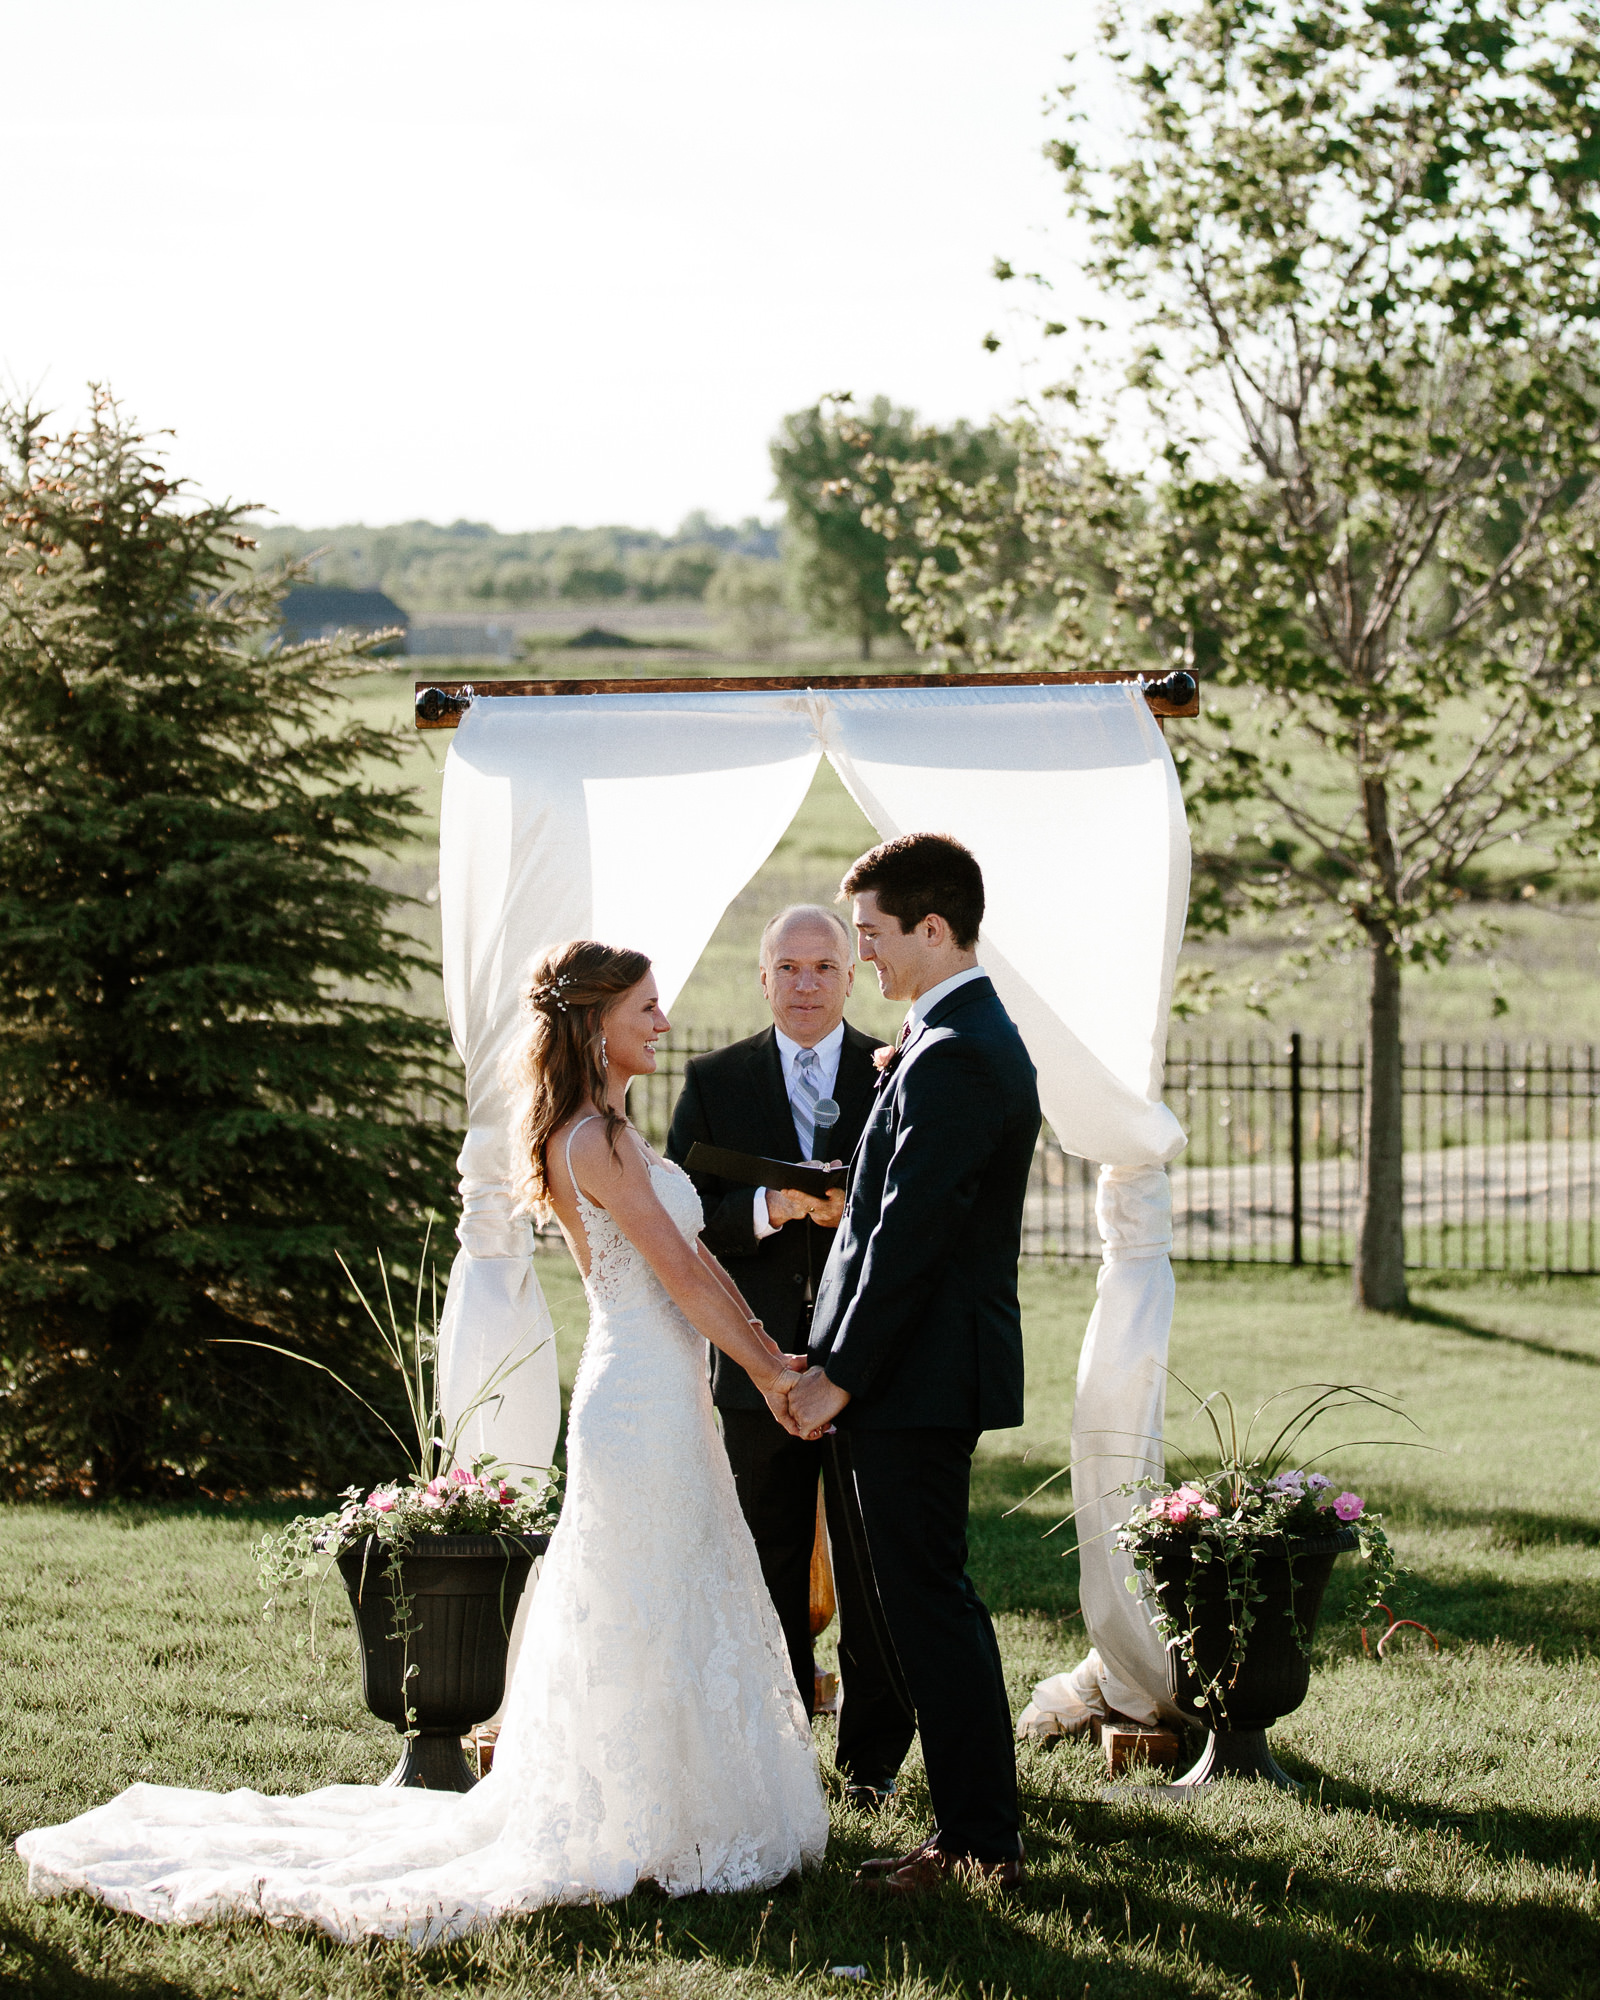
808,965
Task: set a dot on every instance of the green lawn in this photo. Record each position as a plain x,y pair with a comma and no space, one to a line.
1449,1842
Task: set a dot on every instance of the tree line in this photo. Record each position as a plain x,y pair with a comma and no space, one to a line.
821,566
469,566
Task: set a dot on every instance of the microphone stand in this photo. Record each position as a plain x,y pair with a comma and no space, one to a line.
824,1118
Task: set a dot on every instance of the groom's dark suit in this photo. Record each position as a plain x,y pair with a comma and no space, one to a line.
736,1097
917,1318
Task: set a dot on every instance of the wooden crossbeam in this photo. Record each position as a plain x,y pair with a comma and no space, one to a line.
440,704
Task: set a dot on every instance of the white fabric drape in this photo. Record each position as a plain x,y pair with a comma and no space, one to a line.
627,821
636,818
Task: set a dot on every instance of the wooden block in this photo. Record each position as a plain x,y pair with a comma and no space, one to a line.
479,1747
1140,1743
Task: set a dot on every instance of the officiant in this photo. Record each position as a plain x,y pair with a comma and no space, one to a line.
774,1094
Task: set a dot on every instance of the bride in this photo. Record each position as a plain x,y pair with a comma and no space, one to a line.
653,1730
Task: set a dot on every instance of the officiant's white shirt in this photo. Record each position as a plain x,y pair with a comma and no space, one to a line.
827,1054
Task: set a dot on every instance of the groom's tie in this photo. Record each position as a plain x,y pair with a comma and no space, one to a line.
804,1097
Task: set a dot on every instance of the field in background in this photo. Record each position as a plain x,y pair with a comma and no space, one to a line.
1448,1845
1547,966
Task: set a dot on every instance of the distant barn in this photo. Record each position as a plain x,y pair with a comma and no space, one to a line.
320,610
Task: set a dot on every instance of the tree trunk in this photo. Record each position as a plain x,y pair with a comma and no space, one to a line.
866,640
1380,1259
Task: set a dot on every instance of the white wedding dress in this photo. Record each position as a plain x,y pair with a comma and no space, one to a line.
653,1731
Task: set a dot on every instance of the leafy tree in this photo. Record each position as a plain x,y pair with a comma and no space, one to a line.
682,572
203,1088
747,595
1359,239
833,465
586,580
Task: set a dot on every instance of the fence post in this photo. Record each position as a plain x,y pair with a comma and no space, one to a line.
1296,1187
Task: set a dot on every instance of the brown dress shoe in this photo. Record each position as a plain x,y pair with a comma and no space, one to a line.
886,1864
921,1873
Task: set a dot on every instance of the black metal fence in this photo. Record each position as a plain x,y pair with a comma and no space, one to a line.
1502,1165
1501,1153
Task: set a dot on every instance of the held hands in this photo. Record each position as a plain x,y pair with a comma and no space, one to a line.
791,1205
776,1391
813,1403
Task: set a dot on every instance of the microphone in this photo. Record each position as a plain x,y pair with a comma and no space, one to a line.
823,1120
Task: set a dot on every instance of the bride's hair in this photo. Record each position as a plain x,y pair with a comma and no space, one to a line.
560,1065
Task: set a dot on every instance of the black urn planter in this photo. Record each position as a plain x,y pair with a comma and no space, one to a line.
1270,1678
463,1592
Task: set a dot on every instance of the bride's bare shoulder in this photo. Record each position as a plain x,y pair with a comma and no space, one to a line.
595,1160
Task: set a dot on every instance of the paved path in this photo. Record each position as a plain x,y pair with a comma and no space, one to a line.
1537,1191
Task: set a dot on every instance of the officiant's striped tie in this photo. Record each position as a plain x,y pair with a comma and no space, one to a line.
804,1097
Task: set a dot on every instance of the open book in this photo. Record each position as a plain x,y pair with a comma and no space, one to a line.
751,1170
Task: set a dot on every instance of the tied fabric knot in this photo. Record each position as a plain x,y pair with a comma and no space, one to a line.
1133,1206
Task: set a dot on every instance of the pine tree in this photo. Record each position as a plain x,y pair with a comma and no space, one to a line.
205,1065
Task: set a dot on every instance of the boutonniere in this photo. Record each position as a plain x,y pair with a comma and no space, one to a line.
884,1058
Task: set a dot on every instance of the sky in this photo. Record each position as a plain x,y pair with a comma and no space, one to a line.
531,262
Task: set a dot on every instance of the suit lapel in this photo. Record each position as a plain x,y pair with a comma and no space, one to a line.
766,1066
853,1086
975,989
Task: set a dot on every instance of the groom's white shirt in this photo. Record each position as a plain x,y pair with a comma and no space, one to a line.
924,1003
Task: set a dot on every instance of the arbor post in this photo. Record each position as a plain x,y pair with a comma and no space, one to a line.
1296,1156
1380,1259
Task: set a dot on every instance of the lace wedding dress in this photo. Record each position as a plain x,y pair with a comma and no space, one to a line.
653,1731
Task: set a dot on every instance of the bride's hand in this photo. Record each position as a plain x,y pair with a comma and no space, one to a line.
775,1393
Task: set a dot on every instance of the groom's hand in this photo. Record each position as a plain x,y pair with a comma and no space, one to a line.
814,1402
776,1393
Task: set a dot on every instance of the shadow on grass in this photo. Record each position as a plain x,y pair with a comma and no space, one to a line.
1291,1923
44,1970
1550,1620
1555,1839
1527,1343
1016,1561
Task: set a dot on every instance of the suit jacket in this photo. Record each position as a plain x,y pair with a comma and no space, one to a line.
736,1097
917,1311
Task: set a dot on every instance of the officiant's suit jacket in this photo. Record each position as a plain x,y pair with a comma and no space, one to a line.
917,1311
735,1097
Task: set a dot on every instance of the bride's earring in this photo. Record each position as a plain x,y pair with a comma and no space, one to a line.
605,1060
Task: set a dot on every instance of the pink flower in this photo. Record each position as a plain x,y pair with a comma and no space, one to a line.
461,1476
1208,1510
439,1488
1177,1510
505,1495
1319,1482
1348,1506
382,1498
1191,1494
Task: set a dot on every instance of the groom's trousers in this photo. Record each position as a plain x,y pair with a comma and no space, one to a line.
913,1490
776,1478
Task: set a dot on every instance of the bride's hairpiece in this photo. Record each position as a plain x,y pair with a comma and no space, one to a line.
550,994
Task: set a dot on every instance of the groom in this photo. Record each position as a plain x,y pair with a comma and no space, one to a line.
916,1340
